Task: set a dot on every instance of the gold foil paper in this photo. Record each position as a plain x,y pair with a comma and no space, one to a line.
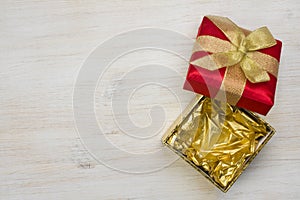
217,139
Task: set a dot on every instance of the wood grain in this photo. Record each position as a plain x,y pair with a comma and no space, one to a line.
43,46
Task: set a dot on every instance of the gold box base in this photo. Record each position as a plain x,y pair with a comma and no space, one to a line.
217,139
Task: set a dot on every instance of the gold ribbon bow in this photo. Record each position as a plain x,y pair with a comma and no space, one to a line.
240,55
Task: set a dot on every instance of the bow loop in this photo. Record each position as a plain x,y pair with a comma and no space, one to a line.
259,39
253,72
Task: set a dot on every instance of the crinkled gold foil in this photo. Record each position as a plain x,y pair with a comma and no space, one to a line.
219,140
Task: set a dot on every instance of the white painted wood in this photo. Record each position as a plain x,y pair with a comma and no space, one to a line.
43,46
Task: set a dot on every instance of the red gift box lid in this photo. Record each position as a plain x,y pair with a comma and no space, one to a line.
257,97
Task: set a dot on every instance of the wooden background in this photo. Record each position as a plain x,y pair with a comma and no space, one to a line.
43,46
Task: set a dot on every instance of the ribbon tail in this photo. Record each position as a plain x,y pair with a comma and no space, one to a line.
253,72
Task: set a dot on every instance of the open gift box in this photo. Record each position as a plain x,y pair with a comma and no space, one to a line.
236,71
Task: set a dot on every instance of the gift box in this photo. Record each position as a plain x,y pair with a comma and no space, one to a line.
217,139
236,71
235,65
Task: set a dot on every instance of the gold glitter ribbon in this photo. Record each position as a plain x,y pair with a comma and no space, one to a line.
239,55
